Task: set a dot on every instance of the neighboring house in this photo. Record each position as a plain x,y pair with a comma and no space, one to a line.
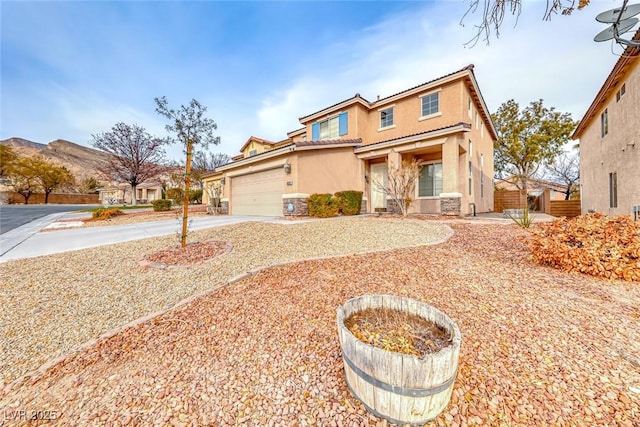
609,136
444,124
535,187
121,193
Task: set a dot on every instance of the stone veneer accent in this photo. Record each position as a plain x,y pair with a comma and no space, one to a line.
300,206
224,207
393,207
451,204
363,206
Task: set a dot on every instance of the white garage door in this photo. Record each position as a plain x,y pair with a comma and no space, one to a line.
258,193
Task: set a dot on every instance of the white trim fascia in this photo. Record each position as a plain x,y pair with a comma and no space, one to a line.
295,196
386,128
430,116
224,199
423,88
258,158
450,195
412,138
297,132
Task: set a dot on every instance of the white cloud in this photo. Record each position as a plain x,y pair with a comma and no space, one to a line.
556,61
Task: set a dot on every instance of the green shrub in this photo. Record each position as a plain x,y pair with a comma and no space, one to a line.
175,194
322,205
195,196
106,213
349,202
162,205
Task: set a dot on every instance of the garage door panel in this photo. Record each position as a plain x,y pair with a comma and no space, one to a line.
258,193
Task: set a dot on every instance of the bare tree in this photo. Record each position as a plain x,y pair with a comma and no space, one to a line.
214,191
206,161
493,13
401,184
566,170
137,156
191,128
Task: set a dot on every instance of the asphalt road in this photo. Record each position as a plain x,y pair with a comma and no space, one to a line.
13,216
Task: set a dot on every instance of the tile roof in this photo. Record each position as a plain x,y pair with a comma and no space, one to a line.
628,56
463,124
357,96
355,141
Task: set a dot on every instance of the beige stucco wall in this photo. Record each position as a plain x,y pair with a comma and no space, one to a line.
328,171
600,156
254,145
408,111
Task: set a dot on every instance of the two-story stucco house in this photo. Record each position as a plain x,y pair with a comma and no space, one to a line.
609,136
444,124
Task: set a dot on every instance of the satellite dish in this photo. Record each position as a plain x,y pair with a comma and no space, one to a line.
612,16
614,31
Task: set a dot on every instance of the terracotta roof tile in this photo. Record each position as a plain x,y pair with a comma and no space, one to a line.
463,124
355,141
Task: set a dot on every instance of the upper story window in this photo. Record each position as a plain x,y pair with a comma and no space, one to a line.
253,152
430,104
621,92
604,123
469,107
386,117
330,128
304,137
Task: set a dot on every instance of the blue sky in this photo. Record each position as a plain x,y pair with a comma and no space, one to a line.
73,69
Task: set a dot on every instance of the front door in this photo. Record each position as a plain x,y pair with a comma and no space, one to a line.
379,176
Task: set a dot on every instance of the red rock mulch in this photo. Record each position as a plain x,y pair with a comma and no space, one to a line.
540,346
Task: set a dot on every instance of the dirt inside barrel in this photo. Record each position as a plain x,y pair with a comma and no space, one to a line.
398,331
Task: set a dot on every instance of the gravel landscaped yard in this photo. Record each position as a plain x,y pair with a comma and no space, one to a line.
540,346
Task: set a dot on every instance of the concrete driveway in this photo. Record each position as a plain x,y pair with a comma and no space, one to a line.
27,242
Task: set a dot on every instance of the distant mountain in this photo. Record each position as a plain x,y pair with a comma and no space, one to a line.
23,143
81,161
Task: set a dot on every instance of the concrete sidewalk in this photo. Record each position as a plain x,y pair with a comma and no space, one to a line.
27,242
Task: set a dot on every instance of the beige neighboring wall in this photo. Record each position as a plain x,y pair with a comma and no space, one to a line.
618,151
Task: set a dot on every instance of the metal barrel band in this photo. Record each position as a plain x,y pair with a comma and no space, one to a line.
385,417
404,391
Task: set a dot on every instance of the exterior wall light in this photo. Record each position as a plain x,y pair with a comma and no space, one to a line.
287,168
366,178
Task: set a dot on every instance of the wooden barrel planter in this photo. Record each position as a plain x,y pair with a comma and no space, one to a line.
400,388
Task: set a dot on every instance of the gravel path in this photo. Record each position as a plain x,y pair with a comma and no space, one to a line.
540,346
52,304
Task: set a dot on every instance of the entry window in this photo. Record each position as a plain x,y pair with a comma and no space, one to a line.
613,190
386,117
604,123
430,181
430,104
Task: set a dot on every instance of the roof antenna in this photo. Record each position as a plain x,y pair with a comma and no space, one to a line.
621,20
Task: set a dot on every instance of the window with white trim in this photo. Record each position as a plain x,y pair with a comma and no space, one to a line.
469,107
621,92
329,128
481,175
253,152
430,180
604,123
470,177
613,189
386,117
430,104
